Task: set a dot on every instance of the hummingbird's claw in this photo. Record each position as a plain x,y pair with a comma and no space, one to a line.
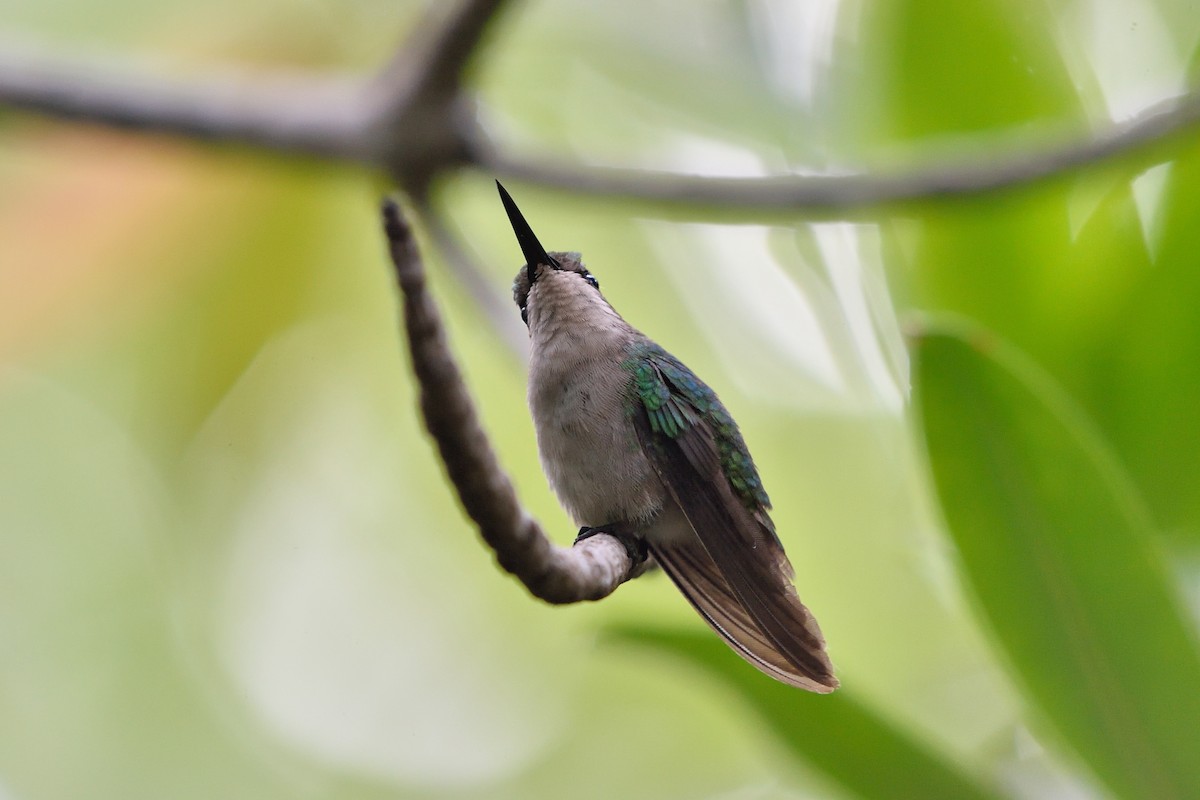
635,545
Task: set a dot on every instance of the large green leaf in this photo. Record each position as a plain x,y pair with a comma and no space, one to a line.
837,734
1058,551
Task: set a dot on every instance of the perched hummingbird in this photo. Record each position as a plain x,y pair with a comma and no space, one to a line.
636,446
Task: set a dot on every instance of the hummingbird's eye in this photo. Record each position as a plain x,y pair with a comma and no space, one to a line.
590,278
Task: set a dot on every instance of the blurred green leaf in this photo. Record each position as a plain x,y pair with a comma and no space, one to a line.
1093,275
837,734
1058,551
948,56
1147,372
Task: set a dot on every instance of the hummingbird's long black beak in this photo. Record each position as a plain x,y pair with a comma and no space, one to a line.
535,255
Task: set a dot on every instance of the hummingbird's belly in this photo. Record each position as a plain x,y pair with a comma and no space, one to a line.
589,448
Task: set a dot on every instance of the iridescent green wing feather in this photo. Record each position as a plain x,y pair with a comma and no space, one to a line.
675,402
734,571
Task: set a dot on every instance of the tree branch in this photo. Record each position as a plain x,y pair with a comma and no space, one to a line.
406,120
420,111
432,62
317,115
414,120
978,173
590,570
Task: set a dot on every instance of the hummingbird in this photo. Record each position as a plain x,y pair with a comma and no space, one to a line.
636,446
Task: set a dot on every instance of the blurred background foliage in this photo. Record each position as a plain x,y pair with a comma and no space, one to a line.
230,565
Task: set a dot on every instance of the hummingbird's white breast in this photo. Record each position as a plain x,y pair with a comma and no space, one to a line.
579,396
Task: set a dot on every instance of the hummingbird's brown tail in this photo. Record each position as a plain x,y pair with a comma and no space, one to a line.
799,661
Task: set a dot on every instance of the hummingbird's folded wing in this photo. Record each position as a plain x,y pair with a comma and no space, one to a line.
743,591
733,570
694,572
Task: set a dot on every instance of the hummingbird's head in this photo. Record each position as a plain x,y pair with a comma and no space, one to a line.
537,261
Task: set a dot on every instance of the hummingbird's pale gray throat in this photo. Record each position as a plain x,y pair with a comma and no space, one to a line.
635,445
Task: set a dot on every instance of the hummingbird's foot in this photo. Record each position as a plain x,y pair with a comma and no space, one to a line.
635,545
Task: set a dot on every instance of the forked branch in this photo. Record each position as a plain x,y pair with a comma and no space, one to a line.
415,120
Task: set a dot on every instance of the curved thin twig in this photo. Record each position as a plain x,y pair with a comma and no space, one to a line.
590,570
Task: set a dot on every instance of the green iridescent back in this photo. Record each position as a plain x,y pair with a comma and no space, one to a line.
676,402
